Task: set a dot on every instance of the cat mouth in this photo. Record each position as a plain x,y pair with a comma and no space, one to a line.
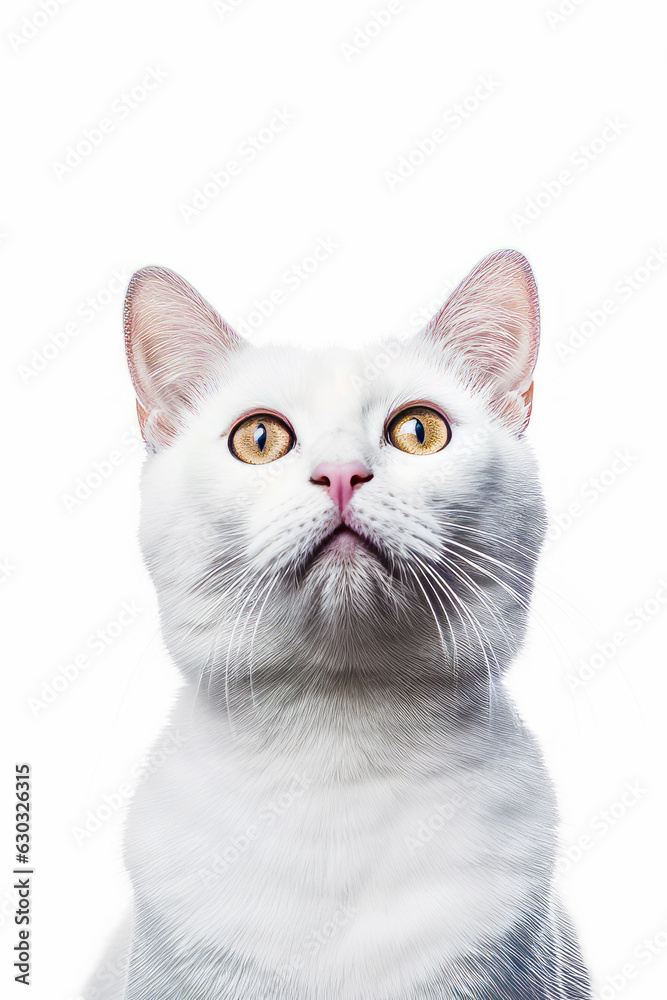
344,544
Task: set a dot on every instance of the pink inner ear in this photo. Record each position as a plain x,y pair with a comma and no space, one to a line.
489,331
176,343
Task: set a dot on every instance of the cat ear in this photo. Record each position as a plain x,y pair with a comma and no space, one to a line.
489,331
175,342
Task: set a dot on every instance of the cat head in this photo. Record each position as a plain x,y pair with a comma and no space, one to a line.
315,512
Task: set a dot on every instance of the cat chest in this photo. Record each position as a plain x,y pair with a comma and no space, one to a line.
310,881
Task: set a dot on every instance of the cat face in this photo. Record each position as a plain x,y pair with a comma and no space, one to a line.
301,519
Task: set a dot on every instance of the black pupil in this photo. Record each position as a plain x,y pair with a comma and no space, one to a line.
419,431
260,436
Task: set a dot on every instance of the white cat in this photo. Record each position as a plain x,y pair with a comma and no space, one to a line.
343,565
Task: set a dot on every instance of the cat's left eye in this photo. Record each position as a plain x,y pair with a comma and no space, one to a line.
418,430
260,438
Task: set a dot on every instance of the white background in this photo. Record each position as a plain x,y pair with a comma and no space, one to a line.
555,81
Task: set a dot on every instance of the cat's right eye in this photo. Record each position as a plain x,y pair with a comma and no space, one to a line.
261,438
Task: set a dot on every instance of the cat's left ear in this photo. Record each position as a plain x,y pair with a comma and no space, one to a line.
175,343
489,333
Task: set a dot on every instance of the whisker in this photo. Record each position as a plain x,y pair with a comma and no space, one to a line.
468,581
254,632
453,596
549,632
551,594
435,617
523,550
231,639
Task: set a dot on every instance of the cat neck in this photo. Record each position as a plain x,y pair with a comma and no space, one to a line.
347,728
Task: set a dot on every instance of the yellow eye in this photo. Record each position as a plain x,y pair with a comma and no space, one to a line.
419,430
260,438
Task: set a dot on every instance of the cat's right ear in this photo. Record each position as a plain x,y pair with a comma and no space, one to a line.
489,330
175,343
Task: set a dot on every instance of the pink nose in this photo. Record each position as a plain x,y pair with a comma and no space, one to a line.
340,478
